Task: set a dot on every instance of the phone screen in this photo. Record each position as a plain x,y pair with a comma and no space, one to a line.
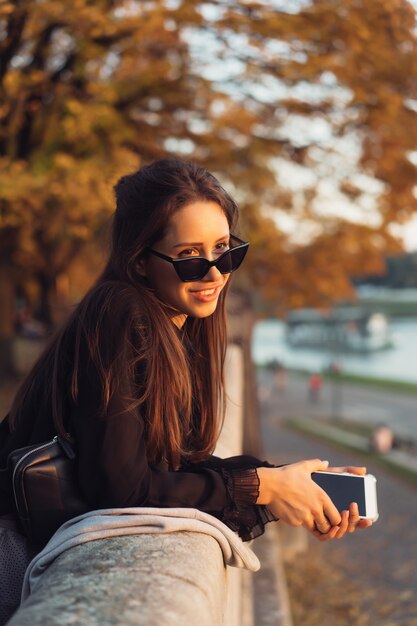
343,490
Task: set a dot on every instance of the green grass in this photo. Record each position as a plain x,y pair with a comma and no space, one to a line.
395,308
366,381
408,476
378,383
349,425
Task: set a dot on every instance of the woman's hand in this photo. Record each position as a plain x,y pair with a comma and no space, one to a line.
293,496
350,521
349,524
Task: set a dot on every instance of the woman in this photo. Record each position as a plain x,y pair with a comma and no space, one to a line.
136,374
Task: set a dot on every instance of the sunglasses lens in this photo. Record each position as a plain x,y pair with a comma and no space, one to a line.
195,269
191,269
231,260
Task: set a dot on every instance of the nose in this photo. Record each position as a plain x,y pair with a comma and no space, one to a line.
212,275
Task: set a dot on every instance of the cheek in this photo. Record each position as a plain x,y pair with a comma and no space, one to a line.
160,275
170,288
226,278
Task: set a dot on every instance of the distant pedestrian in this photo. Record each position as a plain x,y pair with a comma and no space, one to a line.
335,368
281,378
315,383
382,439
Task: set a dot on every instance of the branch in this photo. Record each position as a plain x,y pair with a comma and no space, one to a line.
107,40
68,65
38,61
10,45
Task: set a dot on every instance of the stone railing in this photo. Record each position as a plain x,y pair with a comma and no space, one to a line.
168,579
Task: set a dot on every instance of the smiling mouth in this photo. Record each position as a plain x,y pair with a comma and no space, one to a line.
206,293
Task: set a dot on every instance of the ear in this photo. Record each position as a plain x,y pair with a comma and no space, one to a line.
141,268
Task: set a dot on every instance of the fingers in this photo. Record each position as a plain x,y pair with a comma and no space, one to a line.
350,469
355,521
326,537
319,465
353,517
329,518
316,465
364,523
349,523
322,526
360,471
331,512
343,525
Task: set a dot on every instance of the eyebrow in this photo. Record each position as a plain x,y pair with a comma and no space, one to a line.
199,243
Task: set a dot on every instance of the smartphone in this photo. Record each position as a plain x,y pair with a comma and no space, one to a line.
345,488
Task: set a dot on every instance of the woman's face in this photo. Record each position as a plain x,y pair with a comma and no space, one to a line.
197,229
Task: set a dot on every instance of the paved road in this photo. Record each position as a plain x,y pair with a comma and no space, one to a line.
343,400
369,578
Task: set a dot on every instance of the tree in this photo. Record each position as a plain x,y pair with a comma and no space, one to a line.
333,83
90,90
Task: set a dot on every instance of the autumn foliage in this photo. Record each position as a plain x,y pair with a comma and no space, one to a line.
91,90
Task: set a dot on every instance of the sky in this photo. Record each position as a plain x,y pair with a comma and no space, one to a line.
408,233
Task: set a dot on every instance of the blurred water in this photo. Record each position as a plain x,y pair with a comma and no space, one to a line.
397,363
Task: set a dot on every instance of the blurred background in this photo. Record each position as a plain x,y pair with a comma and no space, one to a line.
306,110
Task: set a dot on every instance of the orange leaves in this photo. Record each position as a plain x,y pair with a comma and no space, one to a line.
94,88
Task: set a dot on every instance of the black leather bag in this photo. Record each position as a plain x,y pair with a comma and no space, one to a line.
45,489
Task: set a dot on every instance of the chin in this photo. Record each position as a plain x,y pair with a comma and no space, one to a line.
201,312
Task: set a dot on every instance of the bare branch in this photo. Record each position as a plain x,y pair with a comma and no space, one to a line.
10,45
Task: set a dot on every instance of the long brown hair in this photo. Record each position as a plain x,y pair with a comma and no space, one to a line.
180,387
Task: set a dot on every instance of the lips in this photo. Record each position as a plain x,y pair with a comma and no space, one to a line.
207,294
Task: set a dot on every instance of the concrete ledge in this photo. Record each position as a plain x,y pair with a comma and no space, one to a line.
144,579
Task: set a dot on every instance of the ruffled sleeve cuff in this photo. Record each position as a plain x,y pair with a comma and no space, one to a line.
242,514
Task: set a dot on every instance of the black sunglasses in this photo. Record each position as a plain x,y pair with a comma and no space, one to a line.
196,267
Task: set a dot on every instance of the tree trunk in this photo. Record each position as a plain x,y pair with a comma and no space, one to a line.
44,310
7,365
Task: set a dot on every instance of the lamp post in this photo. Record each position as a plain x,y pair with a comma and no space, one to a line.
335,366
